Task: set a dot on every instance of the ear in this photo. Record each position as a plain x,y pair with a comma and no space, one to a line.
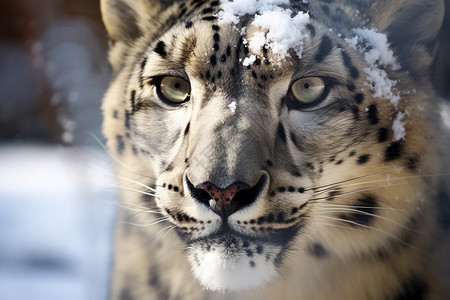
126,20
412,28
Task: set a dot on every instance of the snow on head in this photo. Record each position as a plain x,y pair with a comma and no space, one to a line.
280,31
398,127
283,32
380,53
231,11
378,56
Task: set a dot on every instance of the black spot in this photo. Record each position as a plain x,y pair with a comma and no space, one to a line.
169,168
301,190
254,75
261,220
294,210
393,151
216,47
186,131
362,159
413,288
249,253
281,133
270,218
252,264
383,134
210,18
372,114
351,154
339,162
213,60
311,29
214,26
317,250
324,48
188,24
115,114
359,98
219,74
228,52
296,173
364,211
223,58
259,249
133,100
351,87
281,189
207,10
354,73
120,144
216,37
161,49
291,189
269,163
212,4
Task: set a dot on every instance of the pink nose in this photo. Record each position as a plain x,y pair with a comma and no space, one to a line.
224,204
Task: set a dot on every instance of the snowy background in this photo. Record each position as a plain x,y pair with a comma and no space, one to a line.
57,195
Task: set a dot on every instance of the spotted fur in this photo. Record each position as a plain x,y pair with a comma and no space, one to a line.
243,191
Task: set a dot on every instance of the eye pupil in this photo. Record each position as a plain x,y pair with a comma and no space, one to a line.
173,90
308,91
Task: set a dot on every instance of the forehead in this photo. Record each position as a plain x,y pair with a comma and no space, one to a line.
219,53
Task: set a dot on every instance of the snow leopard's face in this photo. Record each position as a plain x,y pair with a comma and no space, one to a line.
262,147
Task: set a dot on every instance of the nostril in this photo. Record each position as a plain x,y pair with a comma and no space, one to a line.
225,202
200,195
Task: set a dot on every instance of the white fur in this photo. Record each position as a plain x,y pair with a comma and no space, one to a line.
226,268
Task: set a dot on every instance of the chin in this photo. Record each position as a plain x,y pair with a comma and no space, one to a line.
228,262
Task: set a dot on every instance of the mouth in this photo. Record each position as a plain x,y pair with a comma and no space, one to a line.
278,237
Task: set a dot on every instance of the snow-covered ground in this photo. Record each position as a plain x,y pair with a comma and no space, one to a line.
57,205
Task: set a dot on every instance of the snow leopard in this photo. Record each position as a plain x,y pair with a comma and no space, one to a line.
283,149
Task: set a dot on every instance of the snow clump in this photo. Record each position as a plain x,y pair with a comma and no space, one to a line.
398,127
280,32
378,56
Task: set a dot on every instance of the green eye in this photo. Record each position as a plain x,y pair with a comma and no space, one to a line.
174,90
308,90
